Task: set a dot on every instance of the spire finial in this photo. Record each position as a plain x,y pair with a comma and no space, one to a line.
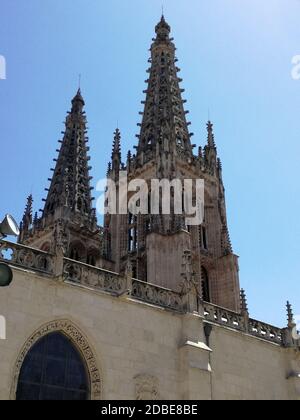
27,217
26,222
78,101
210,134
162,30
200,152
108,169
290,315
244,304
116,143
79,82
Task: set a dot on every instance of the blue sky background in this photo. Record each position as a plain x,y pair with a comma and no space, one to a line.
235,57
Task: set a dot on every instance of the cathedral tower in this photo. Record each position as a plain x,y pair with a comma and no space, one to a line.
155,244
68,216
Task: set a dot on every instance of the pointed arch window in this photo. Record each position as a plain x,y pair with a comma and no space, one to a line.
53,370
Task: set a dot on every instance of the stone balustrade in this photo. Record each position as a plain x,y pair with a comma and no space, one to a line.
263,330
157,295
95,278
107,281
25,257
222,316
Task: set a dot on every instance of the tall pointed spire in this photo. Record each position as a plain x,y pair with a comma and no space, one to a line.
70,190
164,127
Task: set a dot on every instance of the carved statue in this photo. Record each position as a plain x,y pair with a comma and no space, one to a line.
146,388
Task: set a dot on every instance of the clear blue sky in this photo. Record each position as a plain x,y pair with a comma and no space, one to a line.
235,57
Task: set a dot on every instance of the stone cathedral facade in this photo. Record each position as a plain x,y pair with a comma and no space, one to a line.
144,307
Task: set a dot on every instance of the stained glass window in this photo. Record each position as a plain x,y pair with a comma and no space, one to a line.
53,370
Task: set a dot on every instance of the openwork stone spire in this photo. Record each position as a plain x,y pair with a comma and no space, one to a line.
70,186
164,128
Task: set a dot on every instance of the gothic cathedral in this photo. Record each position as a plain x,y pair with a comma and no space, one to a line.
144,307
153,244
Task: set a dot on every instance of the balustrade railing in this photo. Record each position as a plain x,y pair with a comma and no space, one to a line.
263,330
98,279
223,316
26,257
157,295
236,321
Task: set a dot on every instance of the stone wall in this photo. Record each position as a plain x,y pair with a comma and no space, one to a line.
140,350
